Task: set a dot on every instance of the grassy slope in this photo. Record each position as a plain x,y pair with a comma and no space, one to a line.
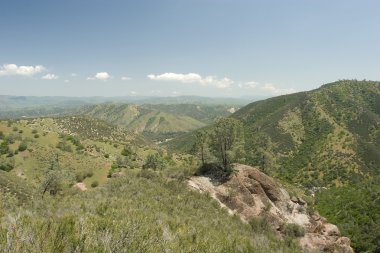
97,137
138,213
144,211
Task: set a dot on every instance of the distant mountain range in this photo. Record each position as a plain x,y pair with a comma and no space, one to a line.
157,117
25,102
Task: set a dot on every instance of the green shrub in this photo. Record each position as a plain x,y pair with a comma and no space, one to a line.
293,230
6,166
79,177
154,161
4,147
36,136
22,147
34,131
94,184
64,146
127,151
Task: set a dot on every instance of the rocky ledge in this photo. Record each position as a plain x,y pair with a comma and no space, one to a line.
250,193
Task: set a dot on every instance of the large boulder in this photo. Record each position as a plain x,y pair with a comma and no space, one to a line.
250,193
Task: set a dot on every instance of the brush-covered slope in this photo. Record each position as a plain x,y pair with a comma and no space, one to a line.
329,137
80,185
141,119
84,148
159,122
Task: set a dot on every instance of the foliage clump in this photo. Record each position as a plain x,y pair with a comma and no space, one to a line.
222,144
154,161
293,230
22,147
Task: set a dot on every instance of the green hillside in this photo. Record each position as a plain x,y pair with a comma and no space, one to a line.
158,122
128,206
325,140
329,137
140,119
301,136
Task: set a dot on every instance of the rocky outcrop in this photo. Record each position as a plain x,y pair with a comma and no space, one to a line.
250,193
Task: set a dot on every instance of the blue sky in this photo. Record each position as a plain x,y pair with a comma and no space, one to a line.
185,47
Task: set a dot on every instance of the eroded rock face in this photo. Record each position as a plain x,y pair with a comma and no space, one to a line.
250,193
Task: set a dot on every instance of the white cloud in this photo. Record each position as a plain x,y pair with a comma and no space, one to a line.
50,77
252,84
67,81
275,90
133,92
125,78
267,88
73,74
193,78
248,85
13,69
103,76
185,78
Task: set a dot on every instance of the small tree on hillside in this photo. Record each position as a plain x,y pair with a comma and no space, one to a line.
154,161
227,140
202,145
52,182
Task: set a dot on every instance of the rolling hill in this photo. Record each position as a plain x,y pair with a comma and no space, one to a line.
158,122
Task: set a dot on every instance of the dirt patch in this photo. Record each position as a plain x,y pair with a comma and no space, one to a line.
81,186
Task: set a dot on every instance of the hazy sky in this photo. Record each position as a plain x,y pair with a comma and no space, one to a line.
185,47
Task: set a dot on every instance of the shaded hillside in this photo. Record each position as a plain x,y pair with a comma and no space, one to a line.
329,137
